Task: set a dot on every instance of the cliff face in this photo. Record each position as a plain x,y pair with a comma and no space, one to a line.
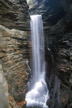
14,14
52,10
14,49
60,42
14,52
57,17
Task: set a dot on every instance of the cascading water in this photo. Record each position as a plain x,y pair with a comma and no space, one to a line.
38,93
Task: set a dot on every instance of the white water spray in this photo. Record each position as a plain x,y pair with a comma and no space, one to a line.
38,93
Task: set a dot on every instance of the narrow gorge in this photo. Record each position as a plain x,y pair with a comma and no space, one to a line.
35,56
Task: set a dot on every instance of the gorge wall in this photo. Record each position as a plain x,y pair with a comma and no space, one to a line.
57,17
14,14
14,50
14,35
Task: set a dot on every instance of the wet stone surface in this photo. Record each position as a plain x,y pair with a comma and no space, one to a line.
4,103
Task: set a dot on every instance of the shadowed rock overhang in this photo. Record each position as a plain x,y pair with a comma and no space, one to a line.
14,14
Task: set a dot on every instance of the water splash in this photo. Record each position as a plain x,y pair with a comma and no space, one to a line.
38,93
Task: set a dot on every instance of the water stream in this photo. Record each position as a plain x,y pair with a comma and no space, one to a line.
38,93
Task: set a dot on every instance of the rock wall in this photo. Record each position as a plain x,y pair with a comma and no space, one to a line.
14,53
57,17
14,14
3,89
64,67
59,39
14,49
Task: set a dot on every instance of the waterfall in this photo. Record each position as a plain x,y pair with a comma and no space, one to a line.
38,93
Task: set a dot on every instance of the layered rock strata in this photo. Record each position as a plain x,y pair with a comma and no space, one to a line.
14,48
65,70
14,14
14,53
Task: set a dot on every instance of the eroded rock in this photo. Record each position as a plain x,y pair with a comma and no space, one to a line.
14,53
14,14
